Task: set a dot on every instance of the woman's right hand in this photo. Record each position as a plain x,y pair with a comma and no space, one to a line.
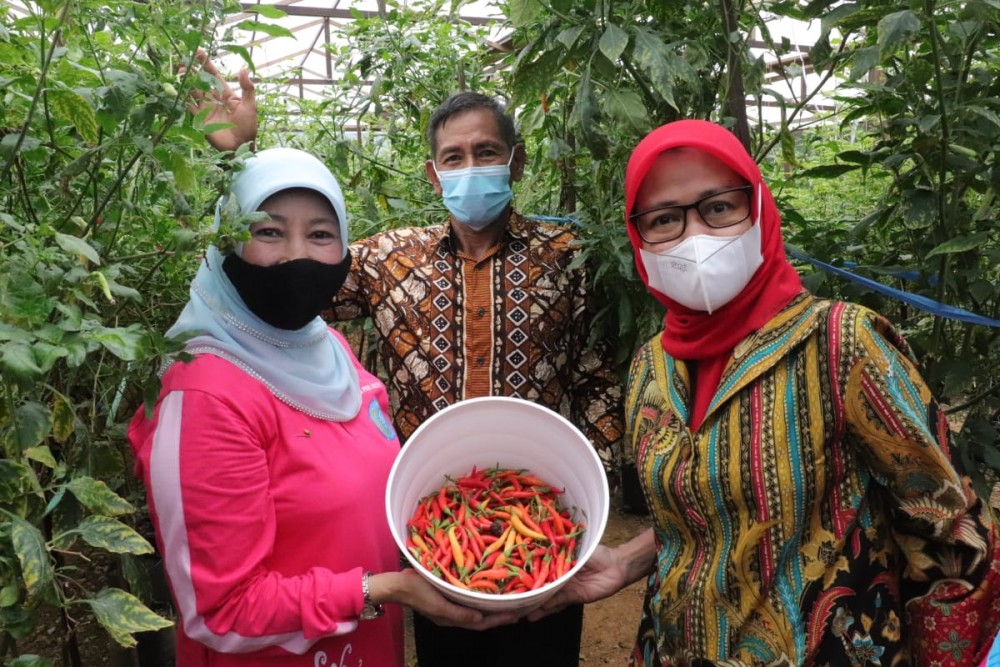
227,107
412,590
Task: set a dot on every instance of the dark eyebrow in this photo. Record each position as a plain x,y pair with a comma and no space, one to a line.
314,222
479,145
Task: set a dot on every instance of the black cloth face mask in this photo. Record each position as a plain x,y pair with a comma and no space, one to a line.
287,295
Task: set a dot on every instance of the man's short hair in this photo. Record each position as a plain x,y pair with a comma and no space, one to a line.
469,101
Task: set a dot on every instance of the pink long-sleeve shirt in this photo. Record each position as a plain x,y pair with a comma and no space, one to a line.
266,519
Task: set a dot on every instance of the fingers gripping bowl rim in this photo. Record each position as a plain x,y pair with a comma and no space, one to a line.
510,433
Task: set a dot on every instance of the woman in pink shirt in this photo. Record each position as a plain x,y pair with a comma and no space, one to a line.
267,455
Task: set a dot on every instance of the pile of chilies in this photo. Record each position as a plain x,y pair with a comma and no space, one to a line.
495,531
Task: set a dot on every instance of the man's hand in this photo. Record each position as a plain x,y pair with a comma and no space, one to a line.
227,107
602,576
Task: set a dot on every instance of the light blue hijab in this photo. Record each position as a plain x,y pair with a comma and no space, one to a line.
309,369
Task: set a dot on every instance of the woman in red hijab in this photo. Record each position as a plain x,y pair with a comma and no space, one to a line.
805,507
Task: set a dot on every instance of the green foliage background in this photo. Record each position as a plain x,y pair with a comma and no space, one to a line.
107,188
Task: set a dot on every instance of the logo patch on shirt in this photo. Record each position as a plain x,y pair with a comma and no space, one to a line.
380,420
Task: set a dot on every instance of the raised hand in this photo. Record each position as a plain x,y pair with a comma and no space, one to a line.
227,107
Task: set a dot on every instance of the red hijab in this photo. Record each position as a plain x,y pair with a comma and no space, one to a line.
694,335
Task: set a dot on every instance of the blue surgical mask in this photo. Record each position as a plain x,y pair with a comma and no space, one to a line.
476,196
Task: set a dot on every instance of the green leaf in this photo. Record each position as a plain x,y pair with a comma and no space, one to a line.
184,175
18,360
960,244
72,107
77,246
63,418
569,36
828,171
123,614
268,11
41,454
788,146
895,31
15,479
29,545
626,106
613,42
863,61
9,595
9,141
29,660
523,13
651,55
46,355
984,112
113,535
124,343
98,497
266,28
32,423
585,116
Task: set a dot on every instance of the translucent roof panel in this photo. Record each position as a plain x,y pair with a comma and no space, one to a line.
303,62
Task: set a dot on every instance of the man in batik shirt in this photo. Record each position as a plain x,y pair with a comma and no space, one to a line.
489,303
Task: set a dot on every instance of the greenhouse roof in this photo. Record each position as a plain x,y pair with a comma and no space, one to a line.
303,65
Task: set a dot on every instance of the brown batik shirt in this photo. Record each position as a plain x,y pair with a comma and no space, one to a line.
515,323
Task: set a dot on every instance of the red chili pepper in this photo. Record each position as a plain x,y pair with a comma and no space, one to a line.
560,564
459,529
495,573
520,494
543,574
469,482
477,553
547,529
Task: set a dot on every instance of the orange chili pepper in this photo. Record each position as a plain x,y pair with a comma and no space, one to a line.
485,584
517,521
419,541
456,549
497,544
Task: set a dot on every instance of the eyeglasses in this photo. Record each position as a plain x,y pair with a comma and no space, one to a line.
667,223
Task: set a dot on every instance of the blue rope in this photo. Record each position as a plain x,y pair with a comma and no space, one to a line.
923,303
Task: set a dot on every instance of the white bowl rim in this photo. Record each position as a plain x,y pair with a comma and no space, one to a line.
493,597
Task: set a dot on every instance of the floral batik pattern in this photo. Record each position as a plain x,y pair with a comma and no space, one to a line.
816,517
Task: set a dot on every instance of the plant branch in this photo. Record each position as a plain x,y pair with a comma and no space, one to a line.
63,13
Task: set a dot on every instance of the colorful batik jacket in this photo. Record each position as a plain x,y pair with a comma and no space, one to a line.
816,517
515,323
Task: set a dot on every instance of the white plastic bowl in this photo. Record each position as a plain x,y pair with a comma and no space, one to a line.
512,433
